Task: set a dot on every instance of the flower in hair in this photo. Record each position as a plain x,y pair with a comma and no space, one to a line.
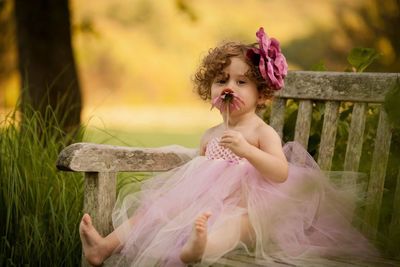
271,62
227,99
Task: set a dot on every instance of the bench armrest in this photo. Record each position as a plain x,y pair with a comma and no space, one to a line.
89,157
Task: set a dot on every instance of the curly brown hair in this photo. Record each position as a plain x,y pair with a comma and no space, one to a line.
218,59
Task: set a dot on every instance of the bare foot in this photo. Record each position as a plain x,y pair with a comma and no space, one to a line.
194,248
92,243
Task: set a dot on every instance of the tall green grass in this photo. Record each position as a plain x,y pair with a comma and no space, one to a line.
40,207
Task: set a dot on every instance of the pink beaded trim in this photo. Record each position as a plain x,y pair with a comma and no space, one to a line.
215,151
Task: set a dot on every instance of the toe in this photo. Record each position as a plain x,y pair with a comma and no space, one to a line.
86,219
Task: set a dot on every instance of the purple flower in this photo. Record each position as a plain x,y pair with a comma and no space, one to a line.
271,62
227,97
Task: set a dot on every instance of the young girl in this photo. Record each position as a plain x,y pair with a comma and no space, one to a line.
243,190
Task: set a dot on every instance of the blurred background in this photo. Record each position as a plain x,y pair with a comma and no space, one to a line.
135,58
122,69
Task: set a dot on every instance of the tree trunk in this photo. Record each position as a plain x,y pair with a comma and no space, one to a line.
46,61
7,50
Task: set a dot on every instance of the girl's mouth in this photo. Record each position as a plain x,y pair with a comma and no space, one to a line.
227,99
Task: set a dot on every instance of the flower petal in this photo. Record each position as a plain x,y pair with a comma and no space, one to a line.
272,63
227,97
261,67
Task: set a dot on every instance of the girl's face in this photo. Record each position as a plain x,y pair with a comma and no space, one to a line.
234,77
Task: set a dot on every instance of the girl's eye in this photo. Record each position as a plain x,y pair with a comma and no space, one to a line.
220,81
241,82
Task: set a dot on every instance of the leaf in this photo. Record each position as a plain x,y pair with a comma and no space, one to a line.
360,58
320,66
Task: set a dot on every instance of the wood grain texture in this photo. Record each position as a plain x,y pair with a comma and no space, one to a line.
99,200
277,118
377,174
89,157
303,123
355,141
328,136
338,86
241,259
394,228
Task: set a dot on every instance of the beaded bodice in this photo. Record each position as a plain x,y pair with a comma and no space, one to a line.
215,151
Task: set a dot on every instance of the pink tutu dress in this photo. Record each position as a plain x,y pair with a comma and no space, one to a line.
305,216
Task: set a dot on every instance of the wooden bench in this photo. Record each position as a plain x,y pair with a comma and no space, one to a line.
101,163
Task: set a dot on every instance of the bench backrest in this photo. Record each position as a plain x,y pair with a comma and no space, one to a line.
333,88
102,162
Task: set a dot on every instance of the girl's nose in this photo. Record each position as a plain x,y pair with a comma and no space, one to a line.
231,85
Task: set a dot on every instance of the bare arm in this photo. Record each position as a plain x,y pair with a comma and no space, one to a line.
204,140
268,159
203,145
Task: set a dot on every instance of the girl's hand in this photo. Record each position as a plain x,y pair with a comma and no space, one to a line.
235,141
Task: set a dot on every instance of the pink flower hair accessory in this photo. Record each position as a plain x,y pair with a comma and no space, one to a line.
271,62
228,100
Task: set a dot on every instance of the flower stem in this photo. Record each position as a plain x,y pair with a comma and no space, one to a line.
227,115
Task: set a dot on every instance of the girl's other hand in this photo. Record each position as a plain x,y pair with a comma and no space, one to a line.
235,141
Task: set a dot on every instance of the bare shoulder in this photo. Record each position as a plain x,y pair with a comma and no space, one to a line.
269,140
266,132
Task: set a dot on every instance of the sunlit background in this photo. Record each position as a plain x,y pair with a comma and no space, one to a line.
136,57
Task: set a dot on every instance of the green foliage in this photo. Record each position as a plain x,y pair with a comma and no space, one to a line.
320,66
360,58
392,107
40,207
144,137
392,104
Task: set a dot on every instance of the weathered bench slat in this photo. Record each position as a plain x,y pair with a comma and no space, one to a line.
338,86
86,157
355,141
277,119
99,198
394,229
377,174
303,123
241,259
328,136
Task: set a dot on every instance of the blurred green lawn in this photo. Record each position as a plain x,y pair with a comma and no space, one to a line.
141,137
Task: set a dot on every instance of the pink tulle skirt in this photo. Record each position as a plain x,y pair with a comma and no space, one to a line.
305,216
